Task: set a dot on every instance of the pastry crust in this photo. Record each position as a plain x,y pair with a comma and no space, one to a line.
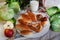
43,21
32,15
26,18
22,22
22,27
25,32
36,29
34,25
39,17
39,27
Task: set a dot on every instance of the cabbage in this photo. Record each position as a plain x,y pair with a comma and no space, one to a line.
56,25
6,13
55,17
51,11
1,19
15,6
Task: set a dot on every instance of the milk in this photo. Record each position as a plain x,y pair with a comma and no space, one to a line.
34,5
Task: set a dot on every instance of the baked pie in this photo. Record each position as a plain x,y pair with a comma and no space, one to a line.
31,23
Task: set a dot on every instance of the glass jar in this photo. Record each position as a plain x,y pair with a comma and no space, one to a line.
34,5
